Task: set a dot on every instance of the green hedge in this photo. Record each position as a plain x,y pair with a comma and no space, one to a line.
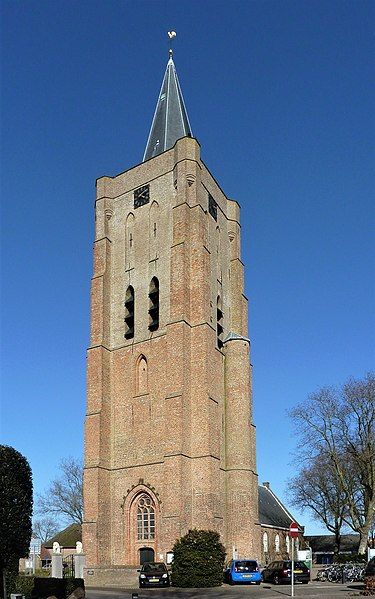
198,560
60,587
72,584
34,587
20,584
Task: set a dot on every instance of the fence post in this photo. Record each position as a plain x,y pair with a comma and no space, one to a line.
57,565
79,564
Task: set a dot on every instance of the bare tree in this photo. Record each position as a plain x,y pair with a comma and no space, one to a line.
44,528
64,497
317,489
358,447
336,429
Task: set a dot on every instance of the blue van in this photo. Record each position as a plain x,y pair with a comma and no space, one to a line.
242,571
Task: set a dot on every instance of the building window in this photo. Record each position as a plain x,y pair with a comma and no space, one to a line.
287,543
142,376
265,542
154,218
212,207
145,518
219,323
277,543
129,240
153,310
129,313
218,254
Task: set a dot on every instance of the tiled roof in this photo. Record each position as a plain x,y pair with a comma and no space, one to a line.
272,512
326,543
67,537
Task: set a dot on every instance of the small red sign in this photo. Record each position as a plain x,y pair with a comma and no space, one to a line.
293,530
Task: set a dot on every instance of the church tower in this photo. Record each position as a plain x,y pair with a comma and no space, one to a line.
169,435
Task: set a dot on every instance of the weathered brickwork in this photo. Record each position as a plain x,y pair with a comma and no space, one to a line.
169,413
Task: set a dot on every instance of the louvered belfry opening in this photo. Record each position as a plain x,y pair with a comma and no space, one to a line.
219,323
154,305
129,313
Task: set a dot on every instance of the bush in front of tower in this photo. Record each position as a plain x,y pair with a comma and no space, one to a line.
198,560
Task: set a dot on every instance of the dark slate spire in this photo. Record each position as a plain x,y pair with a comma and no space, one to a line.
170,120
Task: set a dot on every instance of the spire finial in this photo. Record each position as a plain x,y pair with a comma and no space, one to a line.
171,35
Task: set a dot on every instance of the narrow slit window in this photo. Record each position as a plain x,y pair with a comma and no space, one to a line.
212,207
153,310
219,324
129,313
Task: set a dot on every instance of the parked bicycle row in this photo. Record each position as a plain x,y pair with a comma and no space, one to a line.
342,573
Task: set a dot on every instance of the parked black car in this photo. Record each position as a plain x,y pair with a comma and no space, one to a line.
280,571
153,574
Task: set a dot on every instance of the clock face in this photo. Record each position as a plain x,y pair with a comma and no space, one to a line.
141,196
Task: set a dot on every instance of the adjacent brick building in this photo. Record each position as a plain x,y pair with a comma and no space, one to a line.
275,520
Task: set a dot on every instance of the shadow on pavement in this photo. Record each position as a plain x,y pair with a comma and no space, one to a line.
225,591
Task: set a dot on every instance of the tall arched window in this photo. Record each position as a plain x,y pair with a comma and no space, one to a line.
153,230
219,323
277,543
145,518
265,542
287,543
142,376
129,240
129,313
218,253
154,305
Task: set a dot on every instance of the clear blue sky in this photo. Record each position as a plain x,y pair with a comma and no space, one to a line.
279,96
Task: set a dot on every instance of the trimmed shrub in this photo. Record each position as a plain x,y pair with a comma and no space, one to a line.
59,587
45,587
20,584
72,584
24,585
198,560
41,573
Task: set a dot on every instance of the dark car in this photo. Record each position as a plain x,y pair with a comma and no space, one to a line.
370,568
153,574
280,571
242,571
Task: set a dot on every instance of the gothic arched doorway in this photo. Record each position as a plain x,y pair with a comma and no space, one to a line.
146,554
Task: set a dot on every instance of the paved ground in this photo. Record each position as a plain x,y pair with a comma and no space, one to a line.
314,590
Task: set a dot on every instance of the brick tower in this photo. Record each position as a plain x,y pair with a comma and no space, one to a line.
169,437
